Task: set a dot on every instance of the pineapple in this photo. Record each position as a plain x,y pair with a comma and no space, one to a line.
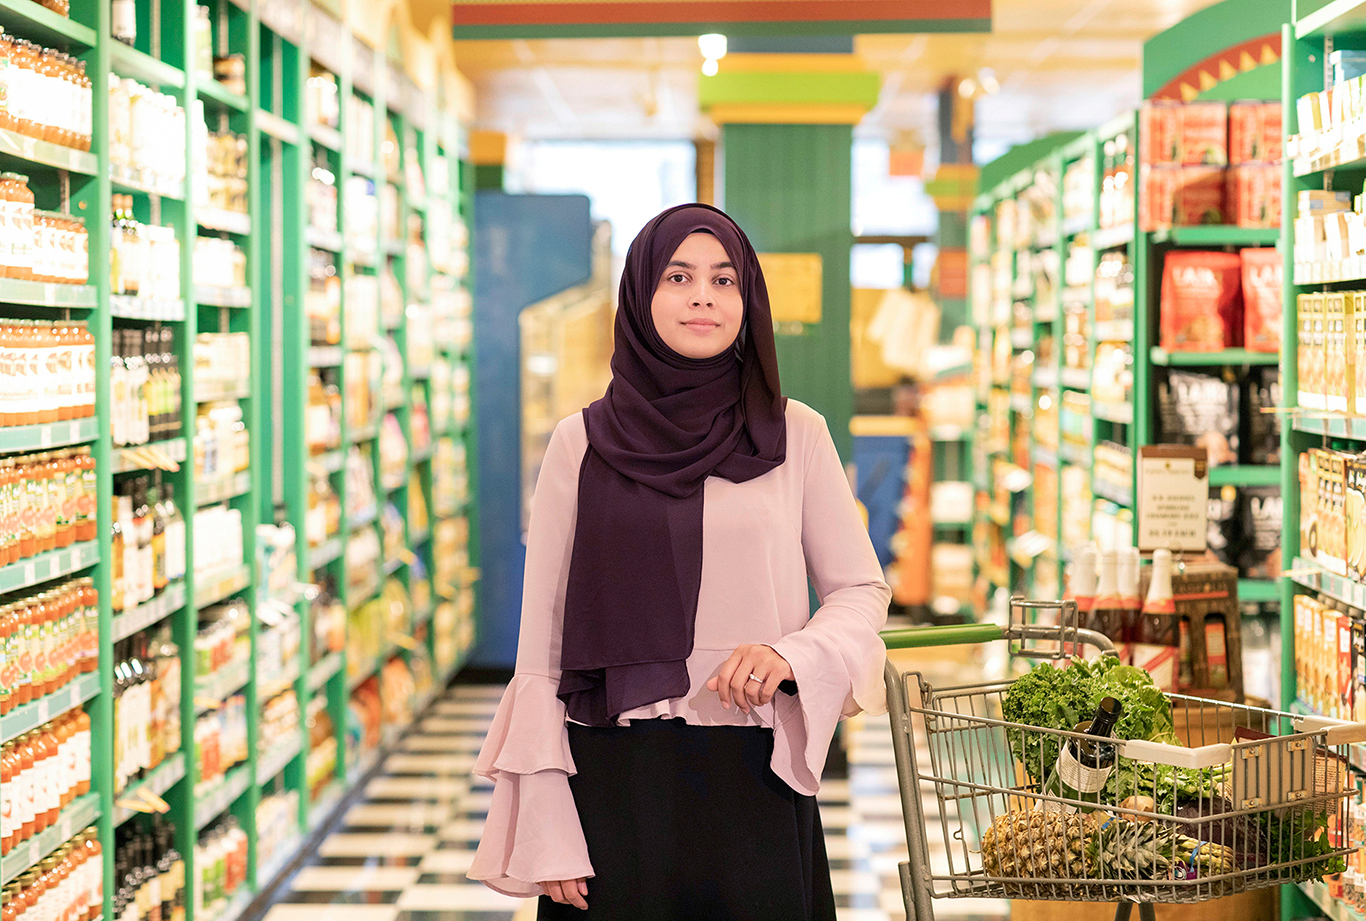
1034,844
1124,850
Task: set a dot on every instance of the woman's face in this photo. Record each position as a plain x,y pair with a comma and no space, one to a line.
698,308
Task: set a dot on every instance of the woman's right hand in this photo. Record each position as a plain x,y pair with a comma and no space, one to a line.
568,891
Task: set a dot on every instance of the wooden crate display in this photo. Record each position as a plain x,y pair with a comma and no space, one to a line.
1206,597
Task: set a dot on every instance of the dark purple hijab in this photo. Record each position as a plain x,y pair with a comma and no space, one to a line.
665,424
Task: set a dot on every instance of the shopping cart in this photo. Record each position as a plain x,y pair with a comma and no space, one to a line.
1176,824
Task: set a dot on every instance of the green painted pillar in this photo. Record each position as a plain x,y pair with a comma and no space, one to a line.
787,146
788,186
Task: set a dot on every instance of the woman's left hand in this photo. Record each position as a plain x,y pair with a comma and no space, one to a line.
735,681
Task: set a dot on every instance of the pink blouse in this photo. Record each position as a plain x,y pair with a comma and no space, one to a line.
761,540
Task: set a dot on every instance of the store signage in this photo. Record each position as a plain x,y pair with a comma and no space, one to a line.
1173,498
794,286
603,18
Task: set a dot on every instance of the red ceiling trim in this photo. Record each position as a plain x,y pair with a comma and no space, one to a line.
573,12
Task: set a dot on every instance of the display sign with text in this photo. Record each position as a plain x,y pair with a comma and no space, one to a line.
1173,498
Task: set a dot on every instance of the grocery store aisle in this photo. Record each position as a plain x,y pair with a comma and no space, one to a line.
401,853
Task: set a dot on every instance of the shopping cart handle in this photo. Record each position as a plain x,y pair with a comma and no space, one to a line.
947,635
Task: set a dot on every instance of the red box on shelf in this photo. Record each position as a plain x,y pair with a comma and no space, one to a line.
1253,196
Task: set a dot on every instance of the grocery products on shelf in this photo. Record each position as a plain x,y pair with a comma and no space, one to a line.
48,94
222,362
218,540
1209,162
220,861
69,883
147,720
140,121
220,177
45,770
320,761
148,542
144,259
145,385
47,372
48,639
38,245
276,825
219,263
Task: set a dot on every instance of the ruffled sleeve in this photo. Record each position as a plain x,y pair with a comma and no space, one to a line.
532,833
837,657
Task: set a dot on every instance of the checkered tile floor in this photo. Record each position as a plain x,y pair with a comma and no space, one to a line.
402,851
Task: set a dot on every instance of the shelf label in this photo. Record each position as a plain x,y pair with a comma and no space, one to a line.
30,573
1173,498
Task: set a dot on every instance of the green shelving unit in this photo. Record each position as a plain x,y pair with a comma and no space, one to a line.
1008,519
1305,41
279,41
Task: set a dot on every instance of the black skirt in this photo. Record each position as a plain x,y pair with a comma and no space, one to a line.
689,823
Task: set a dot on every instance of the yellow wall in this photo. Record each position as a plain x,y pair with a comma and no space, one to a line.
422,33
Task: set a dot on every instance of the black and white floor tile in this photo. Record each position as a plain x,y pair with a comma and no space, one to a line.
401,853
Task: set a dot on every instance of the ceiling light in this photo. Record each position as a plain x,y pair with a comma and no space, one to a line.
967,88
987,78
709,67
713,46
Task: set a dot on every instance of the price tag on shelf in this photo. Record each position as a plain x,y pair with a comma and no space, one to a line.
1173,498
35,852
43,706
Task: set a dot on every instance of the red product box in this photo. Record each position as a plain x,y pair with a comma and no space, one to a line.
1199,197
1253,195
1157,197
1159,133
1246,135
1273,141
1204,134
1254,132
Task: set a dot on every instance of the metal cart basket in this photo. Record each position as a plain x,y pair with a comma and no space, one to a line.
1174,824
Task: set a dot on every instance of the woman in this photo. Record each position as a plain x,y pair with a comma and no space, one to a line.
658,752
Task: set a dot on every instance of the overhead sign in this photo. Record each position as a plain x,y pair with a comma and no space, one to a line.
605,18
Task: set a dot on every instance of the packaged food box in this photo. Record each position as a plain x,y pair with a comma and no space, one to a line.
1159,132
1358,348
1262,446
1201,301
1157,197
1309,503
1332,494
1355,510
1339,362
1201,408
1261,515
1254,132
1223,531
1199,196
1273,137
1204,134
1252,195
1245,135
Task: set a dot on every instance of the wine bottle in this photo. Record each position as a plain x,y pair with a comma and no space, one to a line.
1108,614
1156,640
1084,765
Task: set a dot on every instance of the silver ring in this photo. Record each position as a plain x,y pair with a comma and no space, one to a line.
754,677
